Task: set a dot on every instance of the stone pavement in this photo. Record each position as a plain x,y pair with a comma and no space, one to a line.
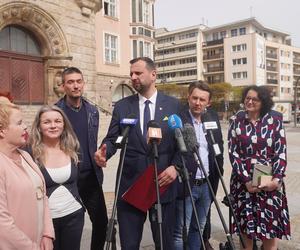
293,194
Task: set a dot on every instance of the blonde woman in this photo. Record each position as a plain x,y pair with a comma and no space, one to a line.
54,148
25,221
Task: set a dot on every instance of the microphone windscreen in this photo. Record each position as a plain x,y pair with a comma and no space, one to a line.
174,122
152,124
189,136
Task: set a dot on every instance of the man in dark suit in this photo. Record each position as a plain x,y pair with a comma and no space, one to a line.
137,158
199,99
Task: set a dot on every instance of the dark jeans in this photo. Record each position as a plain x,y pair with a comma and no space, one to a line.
92,197
131,222
68,231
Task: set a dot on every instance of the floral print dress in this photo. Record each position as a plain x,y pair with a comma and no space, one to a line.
262,215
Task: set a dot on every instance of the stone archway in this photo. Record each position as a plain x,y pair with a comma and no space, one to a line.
54,47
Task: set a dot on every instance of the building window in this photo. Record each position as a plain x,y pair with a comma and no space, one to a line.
215,36
223,34
240,75
111,48
134,48
147,49
110,8
146,13
234,32
239,47
242,31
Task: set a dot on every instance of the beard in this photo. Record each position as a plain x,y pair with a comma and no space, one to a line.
140,88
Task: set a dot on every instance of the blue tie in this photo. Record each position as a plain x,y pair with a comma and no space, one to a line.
147,117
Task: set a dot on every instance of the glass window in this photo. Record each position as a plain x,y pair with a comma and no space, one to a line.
121,91
111,48
14,38
147,49
146,13
234,32
242,31
223,34
110,8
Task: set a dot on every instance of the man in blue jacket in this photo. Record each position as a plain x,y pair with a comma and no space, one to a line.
137,158
84,118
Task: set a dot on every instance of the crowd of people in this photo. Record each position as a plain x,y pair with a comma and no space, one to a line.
51,175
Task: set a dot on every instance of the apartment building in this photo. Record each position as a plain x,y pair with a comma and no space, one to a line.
241,53
246,52
177,54
124,30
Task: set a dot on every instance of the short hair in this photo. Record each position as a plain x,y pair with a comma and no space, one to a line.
68,141
200,85
68,71
6,108
263,94
149,62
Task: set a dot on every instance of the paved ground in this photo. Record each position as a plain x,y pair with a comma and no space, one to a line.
293,194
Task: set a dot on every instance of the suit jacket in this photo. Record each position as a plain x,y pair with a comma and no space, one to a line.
190,161
93,126
18,207
138,155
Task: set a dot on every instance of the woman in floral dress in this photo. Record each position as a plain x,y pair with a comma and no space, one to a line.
256,135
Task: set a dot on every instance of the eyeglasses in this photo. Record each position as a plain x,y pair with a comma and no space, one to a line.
253,99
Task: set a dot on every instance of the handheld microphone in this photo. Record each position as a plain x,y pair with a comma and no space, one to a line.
127,123
153,132
175,123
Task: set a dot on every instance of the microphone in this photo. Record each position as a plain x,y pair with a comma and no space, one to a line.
127,123
190,139
153,132
175,123
207,121
209,124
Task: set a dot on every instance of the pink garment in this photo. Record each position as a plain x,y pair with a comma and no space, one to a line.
18,206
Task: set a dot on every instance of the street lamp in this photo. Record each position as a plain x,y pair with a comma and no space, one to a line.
295,101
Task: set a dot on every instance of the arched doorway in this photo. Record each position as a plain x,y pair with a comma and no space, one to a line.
21,65
121,91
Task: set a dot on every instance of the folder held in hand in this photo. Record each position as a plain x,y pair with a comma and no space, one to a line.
142,194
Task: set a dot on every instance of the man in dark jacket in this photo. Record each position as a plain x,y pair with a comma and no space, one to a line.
199,99
84,118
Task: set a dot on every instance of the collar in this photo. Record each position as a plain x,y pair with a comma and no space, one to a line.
152,99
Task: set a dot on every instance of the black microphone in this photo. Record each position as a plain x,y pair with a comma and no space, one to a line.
127,123
209,124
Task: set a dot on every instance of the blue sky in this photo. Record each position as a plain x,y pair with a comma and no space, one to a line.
276,14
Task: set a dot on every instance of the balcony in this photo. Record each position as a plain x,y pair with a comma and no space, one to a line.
272,81
296,60
271,55
271,68
296,71
213,43
211,57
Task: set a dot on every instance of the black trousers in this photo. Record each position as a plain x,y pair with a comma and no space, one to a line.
131,222
68,231
91,194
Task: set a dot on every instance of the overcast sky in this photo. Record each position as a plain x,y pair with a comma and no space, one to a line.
276,14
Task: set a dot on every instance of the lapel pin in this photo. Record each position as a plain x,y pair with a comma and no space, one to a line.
166,118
